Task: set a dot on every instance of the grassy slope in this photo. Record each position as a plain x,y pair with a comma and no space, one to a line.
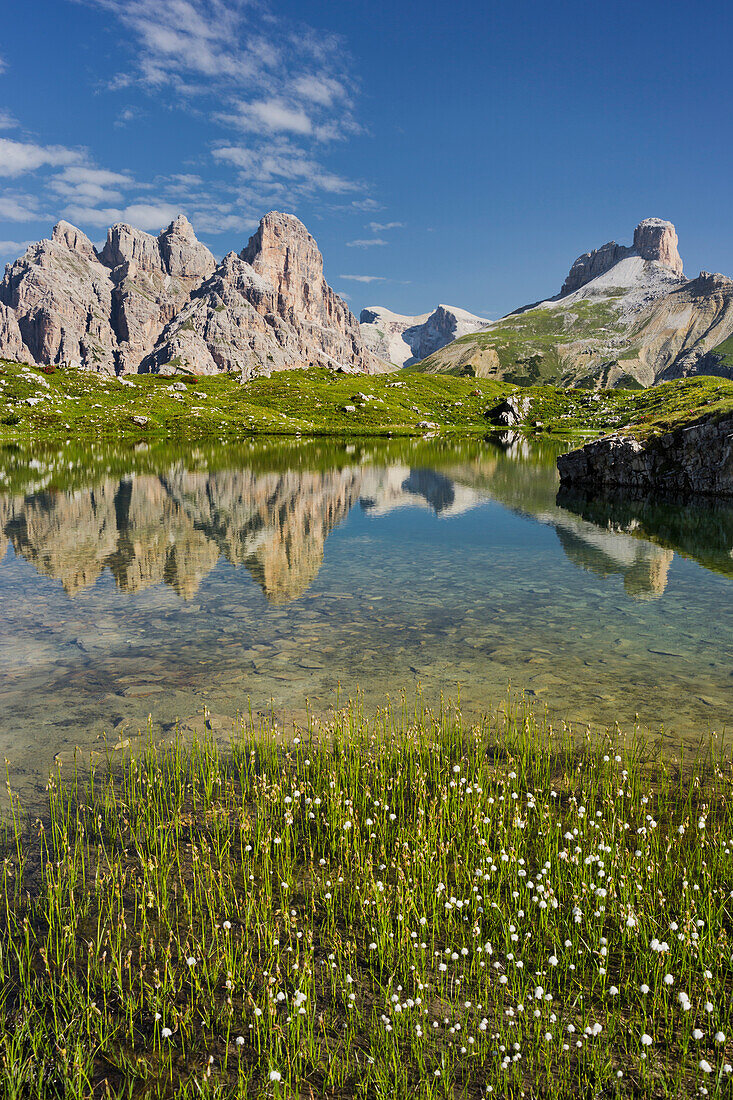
527,343
69,404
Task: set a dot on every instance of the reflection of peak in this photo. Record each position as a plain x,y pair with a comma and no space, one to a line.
385,490
700,528
644,567
174,529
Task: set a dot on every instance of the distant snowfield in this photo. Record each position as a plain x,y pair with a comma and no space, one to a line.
404,340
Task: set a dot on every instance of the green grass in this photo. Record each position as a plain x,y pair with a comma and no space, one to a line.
724,353
394,905
67,405
529,344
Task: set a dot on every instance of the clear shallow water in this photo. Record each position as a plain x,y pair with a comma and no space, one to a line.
161,582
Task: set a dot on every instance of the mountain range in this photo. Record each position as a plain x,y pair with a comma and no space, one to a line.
164,305
626,315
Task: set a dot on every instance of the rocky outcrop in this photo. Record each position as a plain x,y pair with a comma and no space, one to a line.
11,341
654,239
694,459
148,303
510,413
61,295
592,264
405,340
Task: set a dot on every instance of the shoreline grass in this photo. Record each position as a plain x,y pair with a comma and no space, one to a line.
58,405
395,904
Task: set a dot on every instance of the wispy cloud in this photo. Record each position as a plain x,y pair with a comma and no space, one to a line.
148,216
272,116
11,250
19,208
254,73
364,278
364,243
7,122
86,185
282,161
18,157
383,227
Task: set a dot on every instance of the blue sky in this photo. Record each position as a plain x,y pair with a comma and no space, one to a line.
463,153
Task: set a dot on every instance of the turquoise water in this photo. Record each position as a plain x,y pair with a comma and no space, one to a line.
159,583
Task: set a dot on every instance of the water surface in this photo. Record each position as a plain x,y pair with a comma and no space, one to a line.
162,582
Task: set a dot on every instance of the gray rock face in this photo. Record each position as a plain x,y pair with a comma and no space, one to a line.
654,239
695,459
61,296
592,264
11,342
148,303
267,309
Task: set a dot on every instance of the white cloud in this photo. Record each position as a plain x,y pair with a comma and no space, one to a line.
382,227
271,116
148,216
7,122
364,278
11,250
17,157
283,161
319,89
366,243
19,208
253,71
84,185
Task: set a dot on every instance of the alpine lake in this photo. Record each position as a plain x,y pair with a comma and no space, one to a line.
159,587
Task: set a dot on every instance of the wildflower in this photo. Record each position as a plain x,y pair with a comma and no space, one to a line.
644,988
190,961
697,1034
552,960
613,991
719,1037
646,1040
275,1075
239,1040
166,1032
668,979
705,1066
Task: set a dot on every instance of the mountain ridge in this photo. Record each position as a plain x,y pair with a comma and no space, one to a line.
163,304
625,316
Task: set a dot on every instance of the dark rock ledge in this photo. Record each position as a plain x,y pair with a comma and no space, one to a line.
697,458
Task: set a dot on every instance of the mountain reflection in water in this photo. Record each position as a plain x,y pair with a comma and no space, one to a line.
173,526
127,594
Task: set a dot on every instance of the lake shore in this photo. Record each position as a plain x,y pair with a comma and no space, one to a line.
60,404
390,901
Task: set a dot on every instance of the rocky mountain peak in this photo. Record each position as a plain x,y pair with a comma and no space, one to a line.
72,238
656,239
182,252
283,252
404,340
127,245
